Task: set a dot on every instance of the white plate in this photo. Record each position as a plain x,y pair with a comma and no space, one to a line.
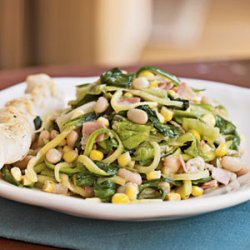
236,99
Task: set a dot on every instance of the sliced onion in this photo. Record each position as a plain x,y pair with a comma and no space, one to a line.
191,176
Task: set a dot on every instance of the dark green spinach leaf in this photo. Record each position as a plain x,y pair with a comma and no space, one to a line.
115,77
166,129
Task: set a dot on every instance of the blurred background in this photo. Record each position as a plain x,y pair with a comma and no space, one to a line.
121,32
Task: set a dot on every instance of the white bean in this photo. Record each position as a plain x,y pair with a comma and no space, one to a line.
195,164
72,138
130,176
232,164
43,137
140,83
53,155
244,170
53,134
101,105
137,116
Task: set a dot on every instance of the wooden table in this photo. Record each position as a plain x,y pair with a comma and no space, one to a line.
232,72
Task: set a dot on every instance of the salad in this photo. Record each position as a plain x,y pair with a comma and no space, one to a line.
132,137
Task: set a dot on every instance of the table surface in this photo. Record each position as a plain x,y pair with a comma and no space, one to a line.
233,72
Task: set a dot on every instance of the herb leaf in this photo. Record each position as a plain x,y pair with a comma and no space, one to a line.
115,77
38,122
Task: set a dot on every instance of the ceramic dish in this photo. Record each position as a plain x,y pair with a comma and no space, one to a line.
237,101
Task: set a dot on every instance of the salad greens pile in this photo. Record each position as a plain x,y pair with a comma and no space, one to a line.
131,137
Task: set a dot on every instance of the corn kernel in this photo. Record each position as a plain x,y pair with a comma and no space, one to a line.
96,155
128,95
104,121
26,181
124,159
221,150
131,191
16,173
209,119
120,198
173,196
185,190
66,148
70,156
153,175
48,186
197,191
147,74
153,84
195,133
167,114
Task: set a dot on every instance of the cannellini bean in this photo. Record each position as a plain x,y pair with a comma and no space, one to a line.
244,170
232,164
72,138
130,176
137,116
101,105
53,155
195,164
171,164
43,137
140,83
53,134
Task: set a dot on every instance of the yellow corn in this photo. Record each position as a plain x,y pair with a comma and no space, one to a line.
66,149
153,175
185,190
209,119
147,74
167,114
173,196
221,150
120,198
131,191
104,121
96,155
48,186
16,173
70,156
195,133
153,84
197,191
128,95
124,159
